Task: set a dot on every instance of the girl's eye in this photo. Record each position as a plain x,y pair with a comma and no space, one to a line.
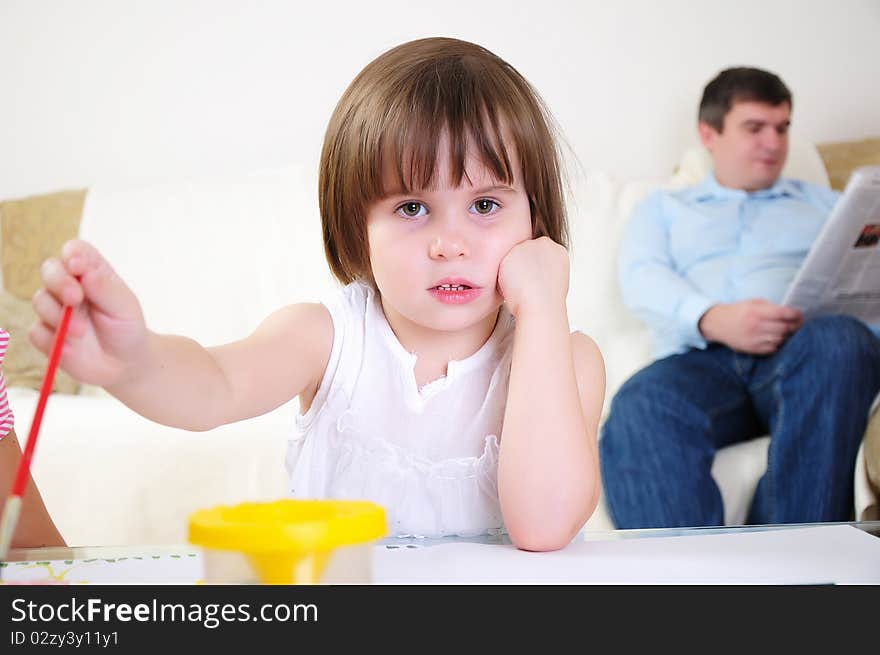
485,206
411,210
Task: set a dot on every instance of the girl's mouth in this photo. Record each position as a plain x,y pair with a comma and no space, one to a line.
454,294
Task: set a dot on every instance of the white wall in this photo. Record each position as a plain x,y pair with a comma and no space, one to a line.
126,91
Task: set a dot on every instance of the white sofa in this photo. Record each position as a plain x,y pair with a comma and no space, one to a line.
210,259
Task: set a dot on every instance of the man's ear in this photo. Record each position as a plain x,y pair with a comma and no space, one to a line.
708,134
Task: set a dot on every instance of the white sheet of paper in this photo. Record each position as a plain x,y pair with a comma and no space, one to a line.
838,554
184,568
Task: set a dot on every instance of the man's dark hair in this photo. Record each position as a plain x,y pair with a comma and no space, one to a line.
740,85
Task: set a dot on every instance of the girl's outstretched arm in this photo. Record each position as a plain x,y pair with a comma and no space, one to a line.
548,473
169,379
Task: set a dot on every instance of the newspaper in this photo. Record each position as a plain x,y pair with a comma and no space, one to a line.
841,273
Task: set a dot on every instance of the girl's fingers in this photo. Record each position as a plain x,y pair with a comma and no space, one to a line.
47,308
41,336
103,288
80,256
60,283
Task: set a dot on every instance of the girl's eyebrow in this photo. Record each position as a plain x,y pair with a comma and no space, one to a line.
494,188
394,193
397,192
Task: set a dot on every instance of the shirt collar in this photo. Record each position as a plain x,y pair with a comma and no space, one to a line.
709,189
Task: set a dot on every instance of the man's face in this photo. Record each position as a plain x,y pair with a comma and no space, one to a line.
750,151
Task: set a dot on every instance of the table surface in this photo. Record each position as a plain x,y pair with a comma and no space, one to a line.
822,553
83,552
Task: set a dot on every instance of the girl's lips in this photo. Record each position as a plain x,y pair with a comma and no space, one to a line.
453,296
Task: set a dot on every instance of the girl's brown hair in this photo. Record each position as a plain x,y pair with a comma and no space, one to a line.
394,114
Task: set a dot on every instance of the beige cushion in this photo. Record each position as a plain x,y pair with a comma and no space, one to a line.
31,230
842,158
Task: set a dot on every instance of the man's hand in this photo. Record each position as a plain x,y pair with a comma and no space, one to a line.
534,276
756,327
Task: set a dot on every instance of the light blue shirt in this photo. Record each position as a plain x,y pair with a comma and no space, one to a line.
684,251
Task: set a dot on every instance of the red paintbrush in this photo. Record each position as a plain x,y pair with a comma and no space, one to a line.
13,503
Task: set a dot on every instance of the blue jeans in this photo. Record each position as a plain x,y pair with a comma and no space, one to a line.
812,396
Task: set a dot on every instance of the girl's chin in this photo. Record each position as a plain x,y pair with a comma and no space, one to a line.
460,320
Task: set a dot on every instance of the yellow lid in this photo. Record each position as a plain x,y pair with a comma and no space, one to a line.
287,525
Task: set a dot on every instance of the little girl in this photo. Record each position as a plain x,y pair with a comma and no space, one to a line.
442,380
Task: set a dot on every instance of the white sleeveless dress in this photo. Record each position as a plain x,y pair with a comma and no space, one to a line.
428,455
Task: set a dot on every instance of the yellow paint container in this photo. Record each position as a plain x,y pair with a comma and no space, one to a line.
288,541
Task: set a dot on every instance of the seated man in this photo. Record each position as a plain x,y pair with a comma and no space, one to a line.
705,268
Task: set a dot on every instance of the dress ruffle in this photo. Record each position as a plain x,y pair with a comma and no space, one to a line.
422,497
429,498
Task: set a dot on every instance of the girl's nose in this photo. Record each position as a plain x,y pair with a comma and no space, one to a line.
448,236
448,245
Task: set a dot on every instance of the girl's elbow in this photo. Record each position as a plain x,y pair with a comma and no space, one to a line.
543,534
543,537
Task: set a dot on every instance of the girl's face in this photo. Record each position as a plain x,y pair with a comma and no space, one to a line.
435,253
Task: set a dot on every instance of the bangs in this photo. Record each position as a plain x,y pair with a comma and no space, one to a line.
449,100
